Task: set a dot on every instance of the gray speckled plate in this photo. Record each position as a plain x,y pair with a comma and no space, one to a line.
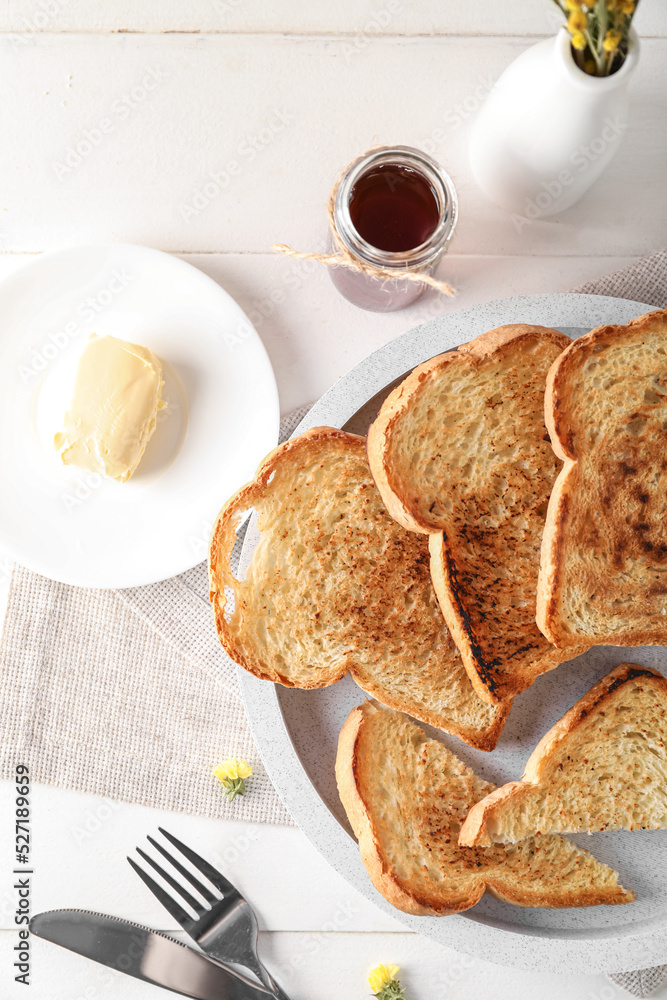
297,731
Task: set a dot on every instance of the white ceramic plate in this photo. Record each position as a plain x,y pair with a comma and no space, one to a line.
297,731
221,419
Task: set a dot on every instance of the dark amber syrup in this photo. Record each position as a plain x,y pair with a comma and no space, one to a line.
394,208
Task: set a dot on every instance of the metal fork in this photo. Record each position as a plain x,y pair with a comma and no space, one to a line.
224,928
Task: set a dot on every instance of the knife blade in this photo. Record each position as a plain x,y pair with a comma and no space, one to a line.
144,954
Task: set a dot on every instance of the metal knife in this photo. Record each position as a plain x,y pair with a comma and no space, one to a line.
145,954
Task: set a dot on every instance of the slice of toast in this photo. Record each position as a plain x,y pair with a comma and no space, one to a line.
603,574
603,766
406,797
335,585
460,450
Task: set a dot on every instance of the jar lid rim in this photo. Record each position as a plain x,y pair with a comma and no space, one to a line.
440,181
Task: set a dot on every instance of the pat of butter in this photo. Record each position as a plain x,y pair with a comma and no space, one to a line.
112,415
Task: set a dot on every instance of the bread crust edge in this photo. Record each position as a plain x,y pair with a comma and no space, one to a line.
394,890
380,435
379,440
550,577
222,541
485,740
221,544
475,830
381,430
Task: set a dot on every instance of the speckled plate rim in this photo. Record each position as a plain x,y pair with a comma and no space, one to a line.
605,950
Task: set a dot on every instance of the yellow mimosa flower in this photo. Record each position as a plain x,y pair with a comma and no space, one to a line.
233,768
599,30
577,21
233,773
611,41
381,975
383,980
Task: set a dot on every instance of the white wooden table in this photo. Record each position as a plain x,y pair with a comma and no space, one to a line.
159,97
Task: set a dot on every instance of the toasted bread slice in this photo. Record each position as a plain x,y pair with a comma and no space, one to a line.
406,797
602,767
335,585
460,450
603,575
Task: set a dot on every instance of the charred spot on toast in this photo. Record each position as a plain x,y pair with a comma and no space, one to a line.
417,795
631,674
485,669
497,475
335,585
610,396
632,536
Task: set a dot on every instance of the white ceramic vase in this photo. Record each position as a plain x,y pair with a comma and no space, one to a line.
548,130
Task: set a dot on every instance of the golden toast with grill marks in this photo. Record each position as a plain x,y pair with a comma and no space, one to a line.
406,797
336,585
603,766
460,451
603,573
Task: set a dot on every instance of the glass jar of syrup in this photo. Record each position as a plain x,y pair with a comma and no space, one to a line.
394,209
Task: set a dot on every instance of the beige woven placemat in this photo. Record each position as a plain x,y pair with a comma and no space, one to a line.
127,694
645,280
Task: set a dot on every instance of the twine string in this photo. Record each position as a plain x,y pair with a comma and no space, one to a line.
346,259
342,257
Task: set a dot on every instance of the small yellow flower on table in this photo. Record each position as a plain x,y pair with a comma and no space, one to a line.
383,980
233,773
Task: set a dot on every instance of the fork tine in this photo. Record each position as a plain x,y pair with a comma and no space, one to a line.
206,893
183,893
172,907
214,876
